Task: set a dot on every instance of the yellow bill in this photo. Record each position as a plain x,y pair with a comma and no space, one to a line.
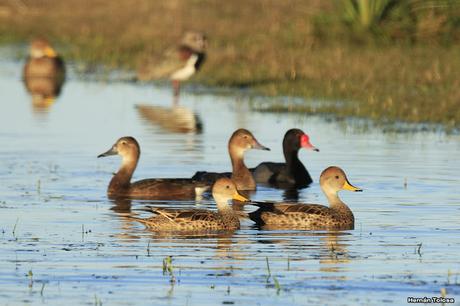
348,186
239,197
50,52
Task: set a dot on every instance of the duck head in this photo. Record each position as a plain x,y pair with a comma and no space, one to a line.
243,140
333,179
225,190
127,147
40,47
296,139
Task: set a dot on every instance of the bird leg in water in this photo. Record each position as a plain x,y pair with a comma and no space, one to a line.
176,88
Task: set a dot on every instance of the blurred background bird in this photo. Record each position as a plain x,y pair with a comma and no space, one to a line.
178,64
43,74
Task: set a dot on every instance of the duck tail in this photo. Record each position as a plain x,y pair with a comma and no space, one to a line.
135,219
242,214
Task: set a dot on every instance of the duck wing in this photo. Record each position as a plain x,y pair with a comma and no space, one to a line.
182,214
210,177
311,209
168,188
292,208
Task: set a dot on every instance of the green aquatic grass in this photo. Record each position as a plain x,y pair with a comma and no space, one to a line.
410,72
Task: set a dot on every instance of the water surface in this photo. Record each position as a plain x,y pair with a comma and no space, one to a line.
63,241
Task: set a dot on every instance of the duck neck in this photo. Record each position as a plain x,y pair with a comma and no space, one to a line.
122,179
293,162
240,173
337,204
222,205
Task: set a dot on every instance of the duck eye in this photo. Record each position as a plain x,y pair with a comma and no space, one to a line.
245,136
228,187
336,177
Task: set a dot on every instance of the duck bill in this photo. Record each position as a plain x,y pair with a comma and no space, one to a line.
258,146
240,198
50,52
305,143
112,151
350,187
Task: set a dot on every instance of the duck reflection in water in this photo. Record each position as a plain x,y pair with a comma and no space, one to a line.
43,74
329,247
175,119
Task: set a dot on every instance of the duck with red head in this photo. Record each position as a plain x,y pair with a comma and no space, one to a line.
292,173
338,216
240,141
158,188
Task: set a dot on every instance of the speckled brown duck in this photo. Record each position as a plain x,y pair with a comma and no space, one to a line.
191,220
156,188
292,173
240,141
311,216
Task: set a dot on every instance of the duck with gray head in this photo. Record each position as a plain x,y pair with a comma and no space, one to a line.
292,173
191,220
156,188
338,216
240,141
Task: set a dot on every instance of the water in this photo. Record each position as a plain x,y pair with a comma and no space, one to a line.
63,241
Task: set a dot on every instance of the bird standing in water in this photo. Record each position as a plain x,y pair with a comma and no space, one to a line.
179,64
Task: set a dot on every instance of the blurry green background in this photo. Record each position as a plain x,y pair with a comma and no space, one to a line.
389,60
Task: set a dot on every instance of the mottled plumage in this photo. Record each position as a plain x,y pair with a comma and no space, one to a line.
224,218
311,216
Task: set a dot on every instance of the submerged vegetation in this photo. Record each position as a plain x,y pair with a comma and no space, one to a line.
387,60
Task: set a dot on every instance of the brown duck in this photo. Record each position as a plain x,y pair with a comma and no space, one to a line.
121,186
240,141
311,216
292,173
225,218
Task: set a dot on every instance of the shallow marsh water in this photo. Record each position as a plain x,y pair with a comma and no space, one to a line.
62,240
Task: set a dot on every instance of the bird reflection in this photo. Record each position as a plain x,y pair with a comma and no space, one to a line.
291,195
43,75
330,248
176,119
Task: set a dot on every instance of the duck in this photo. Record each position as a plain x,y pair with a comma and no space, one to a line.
336,216
43,73
155,188
225,218
292,173
240,141
43,61
180,63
